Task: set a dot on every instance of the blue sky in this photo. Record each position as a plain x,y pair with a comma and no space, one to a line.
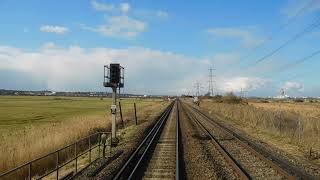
165,46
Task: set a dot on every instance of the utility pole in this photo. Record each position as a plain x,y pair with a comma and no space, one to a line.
242,93
197,89
211,81
282,92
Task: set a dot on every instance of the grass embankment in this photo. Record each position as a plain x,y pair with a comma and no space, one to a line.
294,128
34,126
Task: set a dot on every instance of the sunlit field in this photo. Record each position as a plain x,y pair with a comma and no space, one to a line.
304,109
32,126
287,125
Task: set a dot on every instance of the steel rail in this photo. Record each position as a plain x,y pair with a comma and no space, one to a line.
231,161
177,141
147,141
270,163
148,146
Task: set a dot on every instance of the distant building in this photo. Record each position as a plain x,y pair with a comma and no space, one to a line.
281,97
49,93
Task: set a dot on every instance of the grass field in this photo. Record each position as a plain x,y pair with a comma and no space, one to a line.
293,127
305,110
19,111
31,126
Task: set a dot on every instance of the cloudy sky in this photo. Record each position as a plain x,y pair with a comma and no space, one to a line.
165,46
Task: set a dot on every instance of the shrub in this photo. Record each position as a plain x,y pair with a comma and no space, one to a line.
264,101
230,98
298,100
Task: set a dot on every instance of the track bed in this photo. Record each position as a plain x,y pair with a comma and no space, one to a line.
162,163
157,157
246,162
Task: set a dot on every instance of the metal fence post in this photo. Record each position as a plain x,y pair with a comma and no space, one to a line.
110,152
89,150
135,113
30,171
57,167
121,114
99,144
75,149
104,150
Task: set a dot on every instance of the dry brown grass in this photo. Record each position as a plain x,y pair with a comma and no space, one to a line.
305,110
35,140
295,124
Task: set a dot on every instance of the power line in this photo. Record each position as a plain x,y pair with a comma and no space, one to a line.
295,37
290,65
271,36
243,92
295,63
211,81
198,87
301,60
297,76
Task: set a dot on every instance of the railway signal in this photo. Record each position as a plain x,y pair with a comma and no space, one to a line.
114,78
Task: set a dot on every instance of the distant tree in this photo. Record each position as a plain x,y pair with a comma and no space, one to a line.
230,97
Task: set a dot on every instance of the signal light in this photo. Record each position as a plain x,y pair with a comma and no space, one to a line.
115,73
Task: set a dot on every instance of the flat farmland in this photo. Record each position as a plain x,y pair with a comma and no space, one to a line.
303,109
18,111
31,126
293,127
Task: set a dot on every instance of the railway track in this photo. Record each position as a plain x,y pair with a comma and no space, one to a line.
246,162
158,154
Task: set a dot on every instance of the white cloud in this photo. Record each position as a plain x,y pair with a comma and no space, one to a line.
300,7
75,68
54,29
125,7
120,23
245,36
236,84
102,6
226,58
162,14
293,86
147,71
49,45
120,27
151,14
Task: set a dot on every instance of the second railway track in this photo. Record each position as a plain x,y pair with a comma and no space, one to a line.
158,156
246,162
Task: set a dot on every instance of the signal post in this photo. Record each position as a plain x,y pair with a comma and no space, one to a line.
114,78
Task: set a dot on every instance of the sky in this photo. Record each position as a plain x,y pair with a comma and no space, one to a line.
165,46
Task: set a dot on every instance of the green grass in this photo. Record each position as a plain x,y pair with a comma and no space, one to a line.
32,126
19,111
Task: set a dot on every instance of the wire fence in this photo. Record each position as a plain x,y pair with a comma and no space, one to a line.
65,162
